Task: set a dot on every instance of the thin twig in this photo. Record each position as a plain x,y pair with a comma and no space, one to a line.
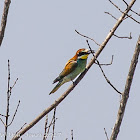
125,94
13,86
45,132
103,71
133,18
8,98
122,37
87,37
123,12
135,12
111,15
116,6
4,19
14,113
108,63
2,121
2,115
106,134
125,2
72,86
51,123
21,128
72,135
54,114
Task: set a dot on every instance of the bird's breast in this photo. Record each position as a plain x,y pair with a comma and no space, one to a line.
79,69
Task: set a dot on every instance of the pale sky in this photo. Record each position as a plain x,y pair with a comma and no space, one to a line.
40,38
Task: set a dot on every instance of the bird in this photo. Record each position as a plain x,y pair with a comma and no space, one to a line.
75,66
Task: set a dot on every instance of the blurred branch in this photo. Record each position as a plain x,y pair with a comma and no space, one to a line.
72,86
125,94
4,19
87,37
2,115
72,135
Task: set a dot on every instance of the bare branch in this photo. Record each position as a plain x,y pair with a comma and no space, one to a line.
111,15
4,19
133,18
108,63
135,12
13,86
54,114
14,113
21,128
72,135
103,71
123,12
87,37
125,94
125,2
8,98
122,37
2,121
116,6
106,134
66,93
45,132
2,115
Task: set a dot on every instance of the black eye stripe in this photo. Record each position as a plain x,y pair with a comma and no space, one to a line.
82,53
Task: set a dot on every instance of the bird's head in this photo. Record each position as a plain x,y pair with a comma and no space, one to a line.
83,53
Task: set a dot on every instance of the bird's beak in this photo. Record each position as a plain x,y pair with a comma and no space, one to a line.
90,51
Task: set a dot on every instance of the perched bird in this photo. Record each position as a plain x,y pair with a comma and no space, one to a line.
73,68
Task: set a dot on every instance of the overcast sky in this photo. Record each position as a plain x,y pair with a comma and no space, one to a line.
40,38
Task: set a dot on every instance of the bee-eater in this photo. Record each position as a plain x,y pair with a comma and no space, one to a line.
73,68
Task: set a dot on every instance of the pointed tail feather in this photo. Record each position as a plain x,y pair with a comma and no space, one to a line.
57,87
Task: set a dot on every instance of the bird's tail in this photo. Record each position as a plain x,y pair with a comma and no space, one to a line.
57,87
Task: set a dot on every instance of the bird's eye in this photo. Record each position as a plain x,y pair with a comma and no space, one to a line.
81,53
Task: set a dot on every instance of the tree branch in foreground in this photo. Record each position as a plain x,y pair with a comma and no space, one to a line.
125,94
4,19
66,93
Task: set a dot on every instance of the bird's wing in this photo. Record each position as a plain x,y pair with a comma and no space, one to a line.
69,67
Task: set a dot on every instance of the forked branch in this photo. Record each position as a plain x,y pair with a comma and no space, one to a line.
108,81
